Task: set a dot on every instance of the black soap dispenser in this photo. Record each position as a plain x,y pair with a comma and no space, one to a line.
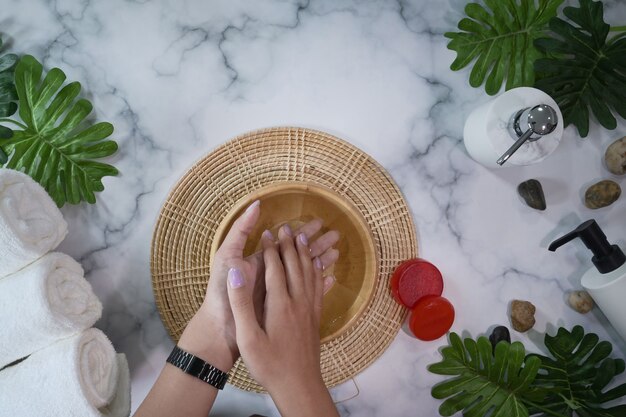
607,281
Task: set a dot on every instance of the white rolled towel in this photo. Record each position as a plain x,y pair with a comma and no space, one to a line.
79,376
42,303
30,223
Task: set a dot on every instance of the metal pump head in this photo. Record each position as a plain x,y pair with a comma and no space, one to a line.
540,120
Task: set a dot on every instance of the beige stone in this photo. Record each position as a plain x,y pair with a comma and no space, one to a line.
580,301
522,315
615,157
602,194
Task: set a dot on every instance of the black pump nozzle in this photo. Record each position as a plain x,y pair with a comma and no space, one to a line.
606,257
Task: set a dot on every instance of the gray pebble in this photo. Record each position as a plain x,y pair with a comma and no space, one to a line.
532,193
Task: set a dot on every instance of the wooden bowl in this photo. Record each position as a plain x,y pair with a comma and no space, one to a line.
296,203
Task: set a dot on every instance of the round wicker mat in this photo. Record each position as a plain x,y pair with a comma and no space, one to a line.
192,213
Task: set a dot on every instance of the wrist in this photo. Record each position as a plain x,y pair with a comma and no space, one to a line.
208,340
303,397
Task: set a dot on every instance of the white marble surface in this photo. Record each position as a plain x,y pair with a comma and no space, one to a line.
177,78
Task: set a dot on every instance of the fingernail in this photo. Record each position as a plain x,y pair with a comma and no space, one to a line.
328,283
303,239
288,230
253,205
235,279
268,235
318,263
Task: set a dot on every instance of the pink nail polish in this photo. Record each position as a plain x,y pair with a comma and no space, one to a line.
303,239
253,205
318,263
328,283
235,279
288,230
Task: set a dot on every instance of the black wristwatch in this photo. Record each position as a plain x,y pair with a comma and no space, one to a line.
195,366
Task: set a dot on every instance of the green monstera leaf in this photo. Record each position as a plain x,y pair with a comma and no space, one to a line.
485,380
56,145
8,95
500,36
576,375
586,70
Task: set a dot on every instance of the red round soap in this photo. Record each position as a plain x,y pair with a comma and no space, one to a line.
431,318
414,279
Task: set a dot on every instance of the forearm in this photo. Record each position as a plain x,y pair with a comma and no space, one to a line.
310,398
177,394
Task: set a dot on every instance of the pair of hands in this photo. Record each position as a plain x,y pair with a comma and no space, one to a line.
267,308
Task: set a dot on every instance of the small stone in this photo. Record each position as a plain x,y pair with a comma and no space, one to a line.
499,334
615,157
580,301
532,193
522,315
602,194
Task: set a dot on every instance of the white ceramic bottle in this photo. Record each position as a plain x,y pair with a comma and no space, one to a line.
606,283
490,129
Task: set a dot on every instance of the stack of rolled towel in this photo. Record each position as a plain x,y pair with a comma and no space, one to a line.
52,363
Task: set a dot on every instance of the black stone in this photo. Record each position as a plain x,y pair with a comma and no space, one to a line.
532,193
499,334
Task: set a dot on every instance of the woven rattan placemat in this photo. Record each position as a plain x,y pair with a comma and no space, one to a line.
181,244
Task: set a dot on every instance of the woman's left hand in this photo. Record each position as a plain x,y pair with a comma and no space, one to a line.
214,321
210,334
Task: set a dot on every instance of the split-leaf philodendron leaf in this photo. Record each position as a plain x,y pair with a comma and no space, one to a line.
576,375
483,380
585,69
8,95
56,145
508,382
499,36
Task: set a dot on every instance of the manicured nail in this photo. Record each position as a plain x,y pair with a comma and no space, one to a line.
253,205
328,283
268,235
235,279
303,239
318,263
288,230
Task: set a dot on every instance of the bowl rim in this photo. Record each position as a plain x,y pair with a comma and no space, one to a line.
335,197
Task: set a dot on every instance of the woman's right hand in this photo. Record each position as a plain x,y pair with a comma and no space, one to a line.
283,353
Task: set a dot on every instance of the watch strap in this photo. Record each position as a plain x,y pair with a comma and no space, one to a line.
195,366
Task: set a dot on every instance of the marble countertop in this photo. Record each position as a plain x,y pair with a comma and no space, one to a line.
178,78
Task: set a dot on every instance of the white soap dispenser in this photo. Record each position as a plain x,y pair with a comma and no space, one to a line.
522,126
607,281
